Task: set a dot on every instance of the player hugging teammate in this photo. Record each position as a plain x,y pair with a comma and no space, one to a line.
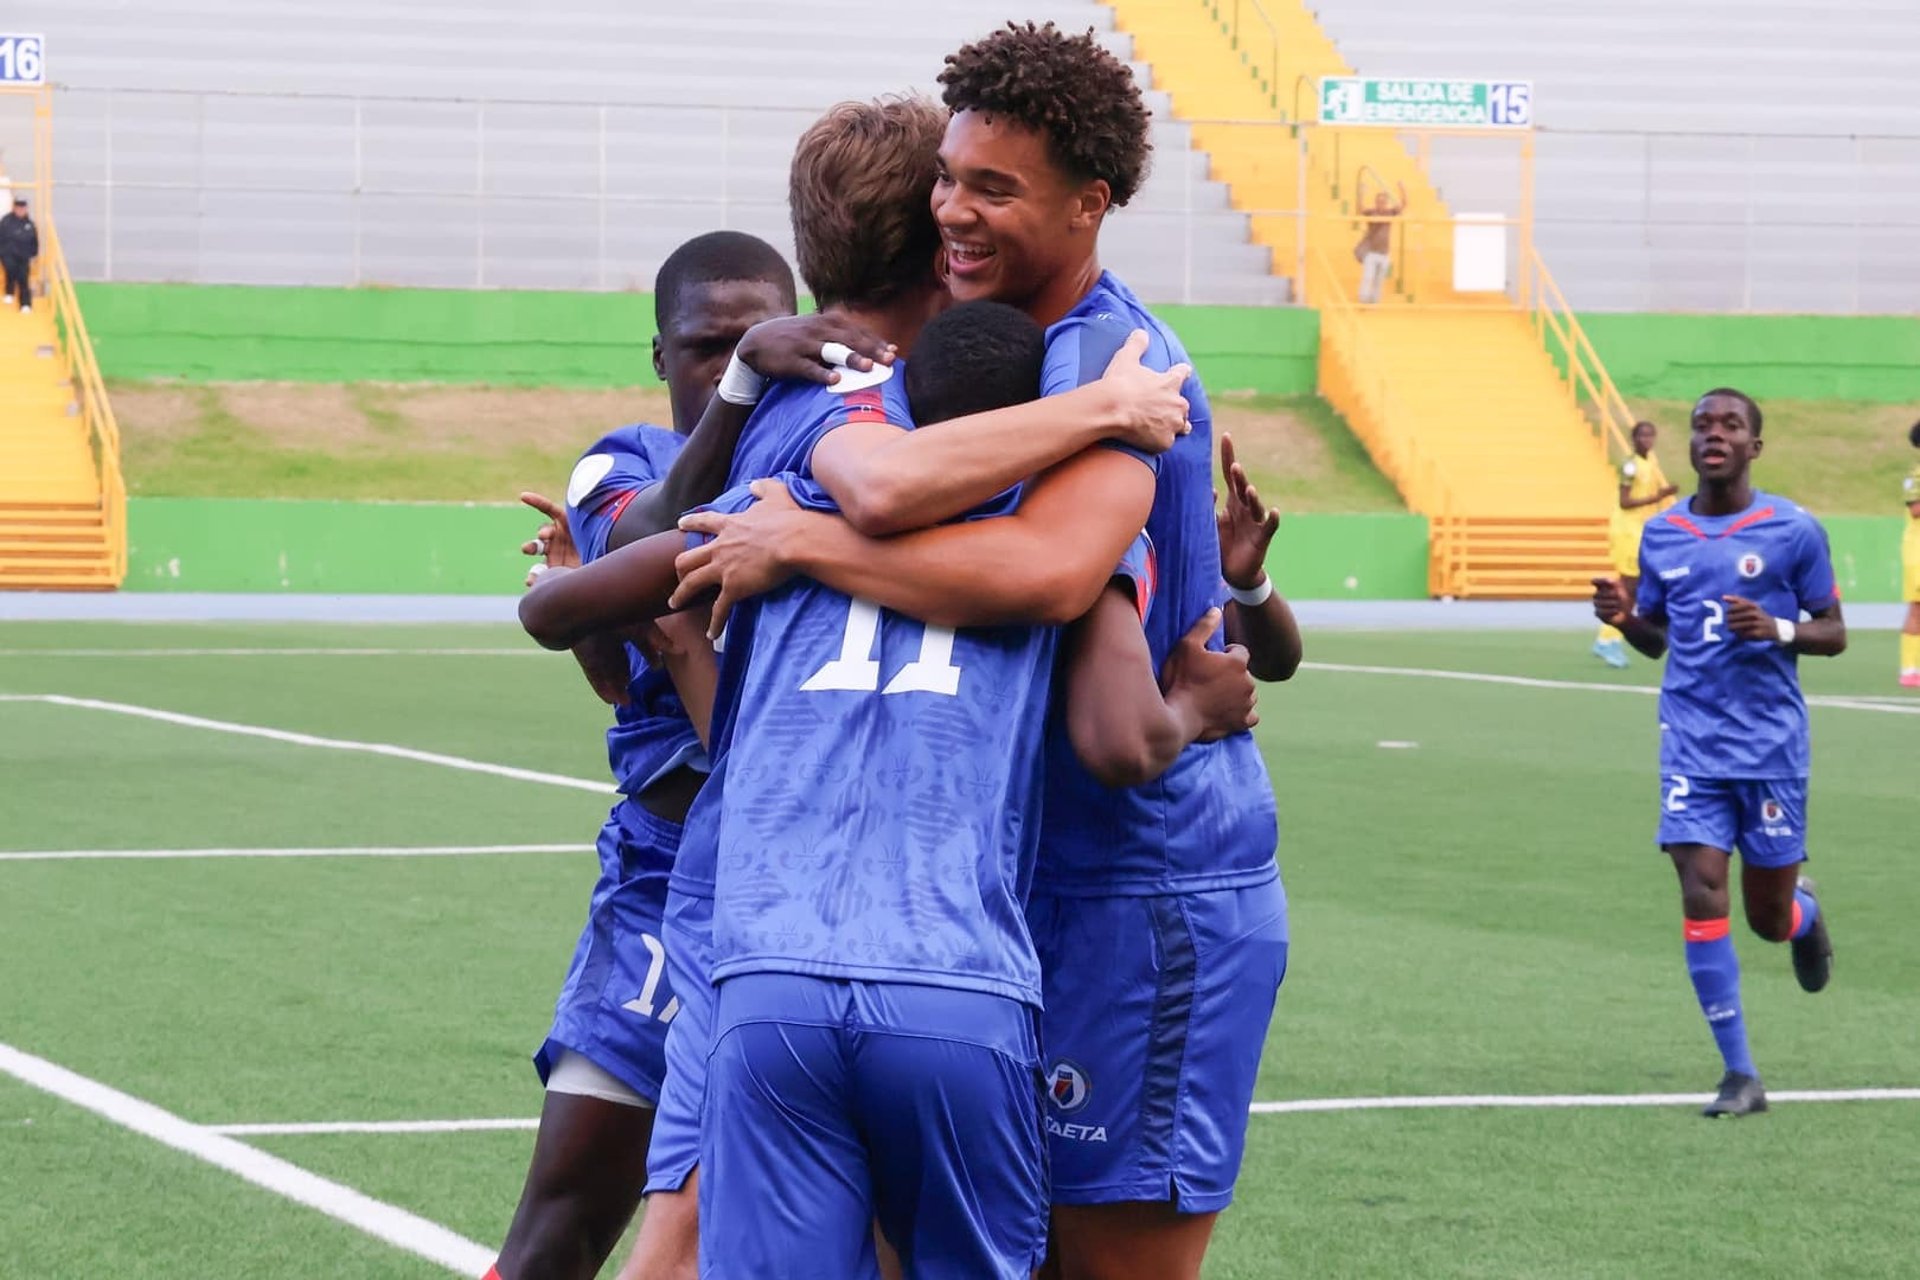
983,810
1724,579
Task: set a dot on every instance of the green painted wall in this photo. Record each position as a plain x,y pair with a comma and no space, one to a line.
1866,556
1676,357
223,544
234,333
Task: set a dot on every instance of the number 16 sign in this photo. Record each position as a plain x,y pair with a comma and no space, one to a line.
22,60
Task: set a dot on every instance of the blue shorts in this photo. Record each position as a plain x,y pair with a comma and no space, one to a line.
1157,1013
831,1103
617,1000
1765,821
675,1148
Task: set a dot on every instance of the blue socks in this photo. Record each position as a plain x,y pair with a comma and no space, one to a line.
1715,971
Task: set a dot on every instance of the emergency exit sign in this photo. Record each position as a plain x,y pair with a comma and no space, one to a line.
1475,104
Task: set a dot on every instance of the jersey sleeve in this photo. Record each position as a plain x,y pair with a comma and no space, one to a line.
603,483
1078,352
1628,470
1139,571
1650,601
1813,581
882,405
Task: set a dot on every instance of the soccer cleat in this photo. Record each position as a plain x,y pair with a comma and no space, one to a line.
1740,1095
1611,652
1813,951
26,311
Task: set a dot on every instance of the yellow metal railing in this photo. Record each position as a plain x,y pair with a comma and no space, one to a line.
1589,385
74,350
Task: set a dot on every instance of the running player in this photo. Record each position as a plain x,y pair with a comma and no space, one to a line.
1158,909
603,1060
1724,578
1910,573
1644,493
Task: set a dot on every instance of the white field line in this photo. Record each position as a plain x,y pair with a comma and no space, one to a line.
374,1126
367,851
376,1218
1500,1101
310,740
1908,707
1436,1102
274,653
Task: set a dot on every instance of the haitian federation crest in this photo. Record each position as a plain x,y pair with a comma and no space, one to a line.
1067,1086
1751,565
1772,811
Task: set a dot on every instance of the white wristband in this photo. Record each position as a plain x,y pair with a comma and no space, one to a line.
1255,598
1786,630
740,384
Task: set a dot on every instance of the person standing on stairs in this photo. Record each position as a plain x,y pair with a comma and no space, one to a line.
19,246
1375,250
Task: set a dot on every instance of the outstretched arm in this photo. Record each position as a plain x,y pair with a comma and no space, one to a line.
1045,564
1266,628
621,589
1123,728
888,481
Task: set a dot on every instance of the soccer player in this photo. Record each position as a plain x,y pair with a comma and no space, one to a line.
1644,492
1910,573
603,1059
1157,909
1724,578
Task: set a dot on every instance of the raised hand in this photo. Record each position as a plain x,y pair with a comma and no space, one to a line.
1247,525
1154,413
744,555
800,347
1215,689
552,543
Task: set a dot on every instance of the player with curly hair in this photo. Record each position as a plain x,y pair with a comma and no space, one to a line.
1157,910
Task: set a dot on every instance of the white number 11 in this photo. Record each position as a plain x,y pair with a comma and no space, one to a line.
857,671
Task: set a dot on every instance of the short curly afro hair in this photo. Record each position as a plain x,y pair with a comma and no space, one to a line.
1913,436
1068,88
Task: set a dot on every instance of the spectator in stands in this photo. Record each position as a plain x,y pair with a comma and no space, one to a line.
1375,250
19,246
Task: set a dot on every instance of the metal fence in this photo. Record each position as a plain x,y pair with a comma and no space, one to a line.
346,190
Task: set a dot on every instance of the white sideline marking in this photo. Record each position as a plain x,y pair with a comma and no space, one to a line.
376,1218
1863,702
375,1126
1523,1100
1435,1102
367,851
310,740
273,653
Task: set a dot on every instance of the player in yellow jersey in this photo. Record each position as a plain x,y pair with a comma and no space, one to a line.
1910,574
1644,494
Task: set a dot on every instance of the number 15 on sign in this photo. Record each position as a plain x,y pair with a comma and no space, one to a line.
21,60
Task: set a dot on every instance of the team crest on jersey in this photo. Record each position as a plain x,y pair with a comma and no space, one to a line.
1751,565
1772,811
1067,1086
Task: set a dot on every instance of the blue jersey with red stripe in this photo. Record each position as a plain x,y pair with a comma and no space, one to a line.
1209,822
651,736
1732,708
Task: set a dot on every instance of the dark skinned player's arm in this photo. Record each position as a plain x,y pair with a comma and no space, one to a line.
697,476
1270,635
1045,564
1824,636
621,589
1612,606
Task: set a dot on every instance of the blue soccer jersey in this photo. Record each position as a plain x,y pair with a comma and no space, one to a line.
1732,708
651,736
1209,821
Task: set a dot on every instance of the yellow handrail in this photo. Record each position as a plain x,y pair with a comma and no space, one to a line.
1553,317
75,352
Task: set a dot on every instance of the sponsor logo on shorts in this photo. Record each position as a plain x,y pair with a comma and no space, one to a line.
1077,1132
1751,565
1067,1086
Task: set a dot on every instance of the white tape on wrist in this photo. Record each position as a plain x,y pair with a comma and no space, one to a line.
740,384
1256,597
1786,630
